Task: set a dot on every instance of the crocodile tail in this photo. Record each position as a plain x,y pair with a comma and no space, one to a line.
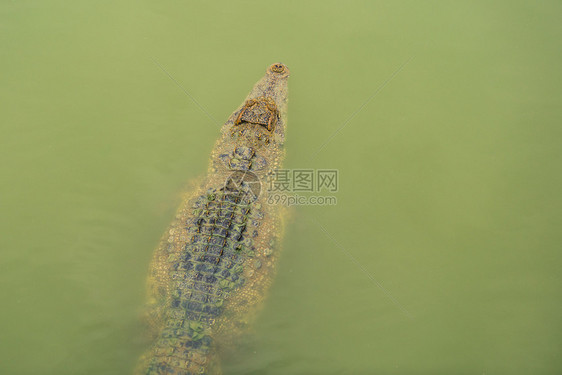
181,351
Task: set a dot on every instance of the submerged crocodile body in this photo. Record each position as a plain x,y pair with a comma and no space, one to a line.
212,268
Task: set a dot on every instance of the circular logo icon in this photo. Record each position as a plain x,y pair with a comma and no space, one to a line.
245,182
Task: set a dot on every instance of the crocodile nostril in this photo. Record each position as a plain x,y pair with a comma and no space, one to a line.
277,68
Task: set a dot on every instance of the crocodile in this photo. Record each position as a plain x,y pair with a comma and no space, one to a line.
213,266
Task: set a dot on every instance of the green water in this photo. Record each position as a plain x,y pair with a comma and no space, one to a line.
442,255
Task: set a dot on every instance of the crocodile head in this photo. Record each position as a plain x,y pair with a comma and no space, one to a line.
261,119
